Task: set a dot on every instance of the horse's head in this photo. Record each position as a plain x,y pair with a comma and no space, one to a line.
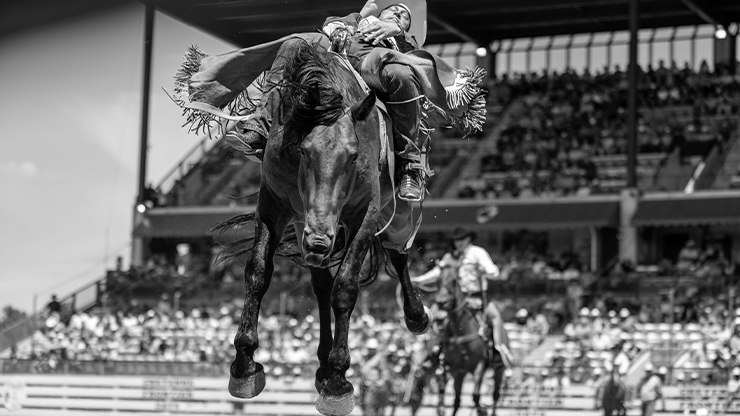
329,159
324,134
449,295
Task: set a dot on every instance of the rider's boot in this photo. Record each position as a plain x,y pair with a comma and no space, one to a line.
251,143
411,187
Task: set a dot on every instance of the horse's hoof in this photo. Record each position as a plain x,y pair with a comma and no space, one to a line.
335,405
246,388
428,313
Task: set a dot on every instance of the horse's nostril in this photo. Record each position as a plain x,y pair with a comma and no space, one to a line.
318,245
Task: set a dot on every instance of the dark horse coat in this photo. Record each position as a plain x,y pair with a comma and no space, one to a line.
322,175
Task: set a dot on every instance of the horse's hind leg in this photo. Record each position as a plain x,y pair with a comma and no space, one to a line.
458,379
478,374
441,380
418,317
498,378
321,281
247,377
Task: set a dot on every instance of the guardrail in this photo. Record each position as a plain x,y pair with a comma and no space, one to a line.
42,395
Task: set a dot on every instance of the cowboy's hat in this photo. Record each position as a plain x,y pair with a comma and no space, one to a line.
461,232
417,10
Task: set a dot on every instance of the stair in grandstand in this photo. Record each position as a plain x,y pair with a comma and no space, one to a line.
728,173
446,157
537,355
676,172
471,165
81,299
205,177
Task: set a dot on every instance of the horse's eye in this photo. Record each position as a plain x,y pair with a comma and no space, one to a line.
354,158
301,152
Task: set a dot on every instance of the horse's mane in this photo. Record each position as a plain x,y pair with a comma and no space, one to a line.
312,92
314,88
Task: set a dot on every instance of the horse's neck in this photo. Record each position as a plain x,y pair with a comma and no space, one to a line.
462,320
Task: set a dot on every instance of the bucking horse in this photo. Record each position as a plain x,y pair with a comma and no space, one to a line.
327,185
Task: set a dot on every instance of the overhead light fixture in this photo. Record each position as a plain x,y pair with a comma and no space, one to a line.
720,32
481,52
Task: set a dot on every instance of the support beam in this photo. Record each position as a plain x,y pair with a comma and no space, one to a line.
143,141
138,249
632,96
455,31
702,12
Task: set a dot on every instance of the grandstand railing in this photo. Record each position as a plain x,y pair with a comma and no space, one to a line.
577,375
715,162
81,299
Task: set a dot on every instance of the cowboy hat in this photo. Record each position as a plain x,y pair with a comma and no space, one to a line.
461,232
417,11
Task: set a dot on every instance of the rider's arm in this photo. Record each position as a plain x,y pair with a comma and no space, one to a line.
350,22
497,321
485,263
432,276
406,42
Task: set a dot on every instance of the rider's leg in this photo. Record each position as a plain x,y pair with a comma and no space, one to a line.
401,94
250,136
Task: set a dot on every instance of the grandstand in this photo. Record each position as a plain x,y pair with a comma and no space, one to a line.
641,229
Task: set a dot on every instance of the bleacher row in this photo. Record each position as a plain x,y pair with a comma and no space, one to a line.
41,395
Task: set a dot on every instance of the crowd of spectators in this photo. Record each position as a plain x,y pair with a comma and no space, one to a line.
562,125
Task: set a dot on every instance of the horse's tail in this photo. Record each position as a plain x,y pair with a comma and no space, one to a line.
289,248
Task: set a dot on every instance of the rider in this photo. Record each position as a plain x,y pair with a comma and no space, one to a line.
474,268
616,368
381,25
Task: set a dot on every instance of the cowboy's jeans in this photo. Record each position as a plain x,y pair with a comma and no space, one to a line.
401,94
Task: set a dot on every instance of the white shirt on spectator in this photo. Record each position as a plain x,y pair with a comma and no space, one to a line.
651,390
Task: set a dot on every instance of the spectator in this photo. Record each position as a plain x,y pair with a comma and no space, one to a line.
733,387
54,307
688,257
650,391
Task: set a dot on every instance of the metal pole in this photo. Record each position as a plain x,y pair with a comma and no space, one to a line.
148,31
672,50
567,52
693,47
34,322
588,51
609,52
632,96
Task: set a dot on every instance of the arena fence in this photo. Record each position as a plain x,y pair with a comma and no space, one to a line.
46,394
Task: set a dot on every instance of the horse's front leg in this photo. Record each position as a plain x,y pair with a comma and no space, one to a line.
337,394
247,377
322,281
478,373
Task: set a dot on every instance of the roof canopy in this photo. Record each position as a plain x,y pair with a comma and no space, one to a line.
688,211
249,22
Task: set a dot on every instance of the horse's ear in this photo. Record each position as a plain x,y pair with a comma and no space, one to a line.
361,110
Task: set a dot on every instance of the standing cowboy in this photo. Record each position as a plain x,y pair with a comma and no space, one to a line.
474,267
